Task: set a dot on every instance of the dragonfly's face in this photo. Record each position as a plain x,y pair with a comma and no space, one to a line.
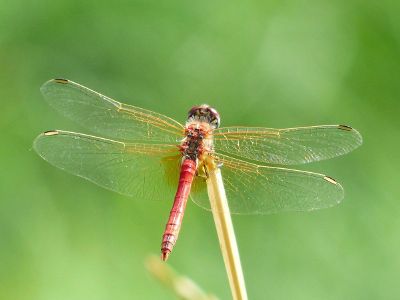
204,113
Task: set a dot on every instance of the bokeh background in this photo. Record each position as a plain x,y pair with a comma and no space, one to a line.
260,63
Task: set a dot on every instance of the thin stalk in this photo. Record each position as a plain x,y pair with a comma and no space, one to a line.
183,287
226,234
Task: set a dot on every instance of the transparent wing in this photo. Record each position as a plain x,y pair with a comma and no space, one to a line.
108,117
289,146
142,171
255,189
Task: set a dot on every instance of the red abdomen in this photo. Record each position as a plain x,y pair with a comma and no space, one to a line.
188,170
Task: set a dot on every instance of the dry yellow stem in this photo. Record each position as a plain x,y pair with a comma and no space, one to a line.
226,234
183,287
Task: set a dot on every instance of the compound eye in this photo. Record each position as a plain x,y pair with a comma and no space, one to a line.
214,116
205,112
216,122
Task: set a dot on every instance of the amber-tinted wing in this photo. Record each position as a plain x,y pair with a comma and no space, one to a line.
143,171
108,117
289,146
256,189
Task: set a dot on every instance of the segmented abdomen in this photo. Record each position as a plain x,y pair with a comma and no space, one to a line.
188,171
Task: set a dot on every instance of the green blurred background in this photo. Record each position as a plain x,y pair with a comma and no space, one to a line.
275,64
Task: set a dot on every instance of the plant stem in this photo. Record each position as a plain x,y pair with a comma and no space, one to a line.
226,234
183,287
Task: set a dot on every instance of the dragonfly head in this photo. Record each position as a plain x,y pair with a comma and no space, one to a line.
204,113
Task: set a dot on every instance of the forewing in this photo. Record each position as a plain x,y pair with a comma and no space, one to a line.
255,189
143,171
289,146
108,117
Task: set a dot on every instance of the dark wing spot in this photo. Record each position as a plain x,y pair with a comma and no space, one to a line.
50,132
345,127
61,80
330,179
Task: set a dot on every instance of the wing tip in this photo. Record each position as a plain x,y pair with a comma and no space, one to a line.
53,81
338,186
354,131
36,141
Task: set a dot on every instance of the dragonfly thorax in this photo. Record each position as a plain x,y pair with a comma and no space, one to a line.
204,113
192,146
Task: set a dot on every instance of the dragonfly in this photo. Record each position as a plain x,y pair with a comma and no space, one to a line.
149,156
